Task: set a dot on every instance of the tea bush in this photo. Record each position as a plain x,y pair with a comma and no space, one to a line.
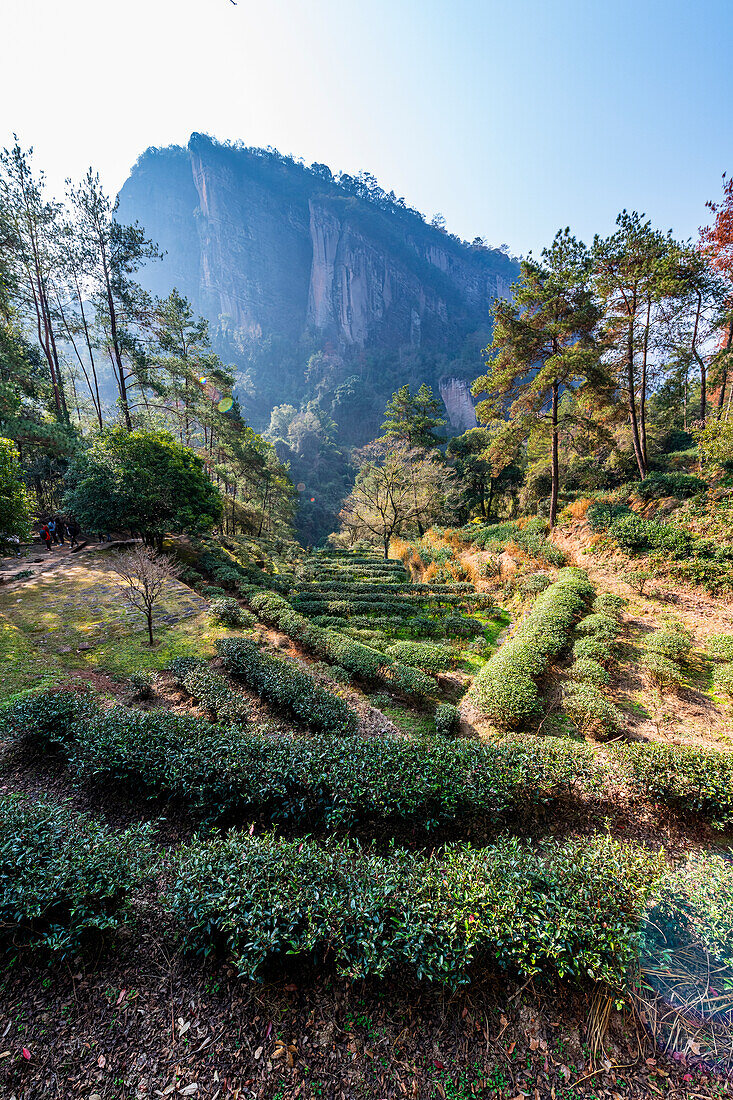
689,779
587,671
158,754
446,719
590,710
723,680
504,689
598,625
430,658
210,689
227,612
661,670
570,910
64,878
608,603
594,649
286,685
47,716
696,905
721,646
534,584
672,642
679,485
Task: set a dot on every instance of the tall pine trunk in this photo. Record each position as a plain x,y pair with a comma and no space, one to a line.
555,457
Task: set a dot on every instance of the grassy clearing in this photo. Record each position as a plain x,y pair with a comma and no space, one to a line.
71,619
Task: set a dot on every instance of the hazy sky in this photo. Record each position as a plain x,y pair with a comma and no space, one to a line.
510,117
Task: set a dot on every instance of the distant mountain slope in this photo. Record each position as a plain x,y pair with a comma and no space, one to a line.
288,261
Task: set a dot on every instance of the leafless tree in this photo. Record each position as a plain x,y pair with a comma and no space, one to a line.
145,575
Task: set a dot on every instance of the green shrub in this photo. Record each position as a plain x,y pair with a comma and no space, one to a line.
141,685
504,689
430,658
661,670
721,646
679,485
286,685
570,910
534,584
631,533
723,680
608,603
587,671
598,625
594,649
47,716
689,779
361,660
210,689
446,719
64,878
671,642
696,906
592,713
211,592
227,612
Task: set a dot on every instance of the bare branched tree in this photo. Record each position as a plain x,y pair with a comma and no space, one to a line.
145,574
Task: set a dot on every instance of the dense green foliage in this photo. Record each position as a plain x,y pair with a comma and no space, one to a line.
64,878
569,910
504,689
144,481
47,716
690,779
287,685
16,508
227,612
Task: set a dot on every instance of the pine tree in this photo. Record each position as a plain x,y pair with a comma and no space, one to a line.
543,341
413,419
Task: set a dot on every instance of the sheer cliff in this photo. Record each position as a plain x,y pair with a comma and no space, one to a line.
326,293
268,249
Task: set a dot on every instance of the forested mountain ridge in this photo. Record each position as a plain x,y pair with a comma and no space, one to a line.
288,262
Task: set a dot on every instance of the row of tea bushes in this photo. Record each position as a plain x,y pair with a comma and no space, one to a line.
361,660
210,689
689,779
583,699
582,910
219,771
571,910
65,880
222,772
286,685
504,690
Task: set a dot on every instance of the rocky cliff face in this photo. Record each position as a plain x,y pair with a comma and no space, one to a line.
458,403
273,247
318,288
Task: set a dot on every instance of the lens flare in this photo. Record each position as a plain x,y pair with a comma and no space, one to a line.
300,486
202,379
225,404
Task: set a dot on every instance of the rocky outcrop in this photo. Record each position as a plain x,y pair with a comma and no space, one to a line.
458,403
265,246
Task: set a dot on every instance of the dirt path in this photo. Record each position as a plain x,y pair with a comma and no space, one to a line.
689,715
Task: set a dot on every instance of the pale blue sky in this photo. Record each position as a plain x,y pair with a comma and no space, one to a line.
511,118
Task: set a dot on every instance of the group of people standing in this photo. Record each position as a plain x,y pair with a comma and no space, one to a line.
56,530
